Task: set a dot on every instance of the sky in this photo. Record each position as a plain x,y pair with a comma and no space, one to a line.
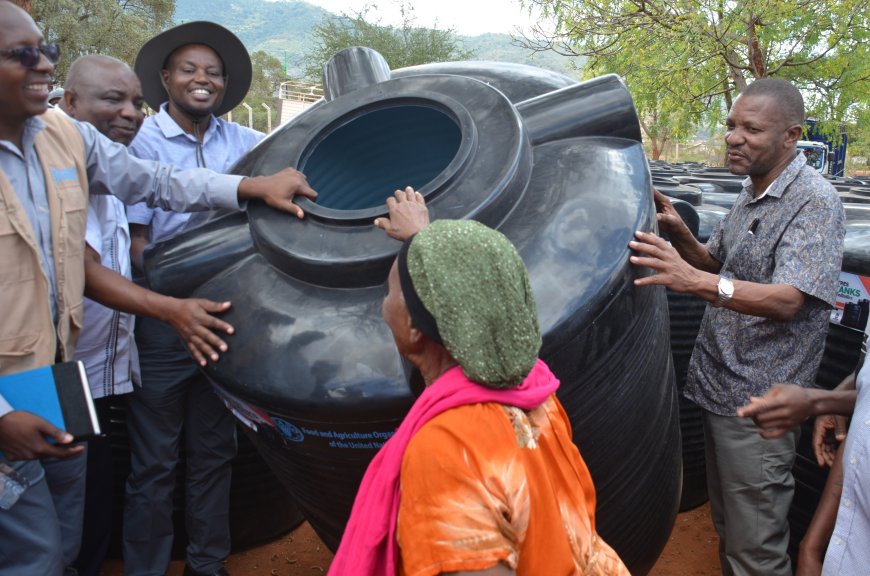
466,17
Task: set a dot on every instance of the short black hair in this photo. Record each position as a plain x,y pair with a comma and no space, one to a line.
791,103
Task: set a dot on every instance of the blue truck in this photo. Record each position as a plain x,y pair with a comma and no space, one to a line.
825,152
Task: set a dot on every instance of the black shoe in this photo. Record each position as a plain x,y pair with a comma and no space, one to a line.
188,571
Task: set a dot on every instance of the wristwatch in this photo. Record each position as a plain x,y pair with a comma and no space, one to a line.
726,290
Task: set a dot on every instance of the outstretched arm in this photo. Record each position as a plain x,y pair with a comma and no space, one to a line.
785,406
191,317
777,301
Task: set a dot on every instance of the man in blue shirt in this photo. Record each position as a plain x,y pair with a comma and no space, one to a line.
191,74
41,249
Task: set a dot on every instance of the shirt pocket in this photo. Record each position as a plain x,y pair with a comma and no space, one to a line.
17,351
16,258
74,202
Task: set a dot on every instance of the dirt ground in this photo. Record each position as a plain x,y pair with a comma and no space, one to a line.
691,551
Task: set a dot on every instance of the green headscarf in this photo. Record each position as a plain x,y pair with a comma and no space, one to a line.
473,282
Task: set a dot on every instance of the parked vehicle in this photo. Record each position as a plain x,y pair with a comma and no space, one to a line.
826,152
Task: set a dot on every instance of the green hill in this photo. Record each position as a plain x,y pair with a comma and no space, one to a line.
282,29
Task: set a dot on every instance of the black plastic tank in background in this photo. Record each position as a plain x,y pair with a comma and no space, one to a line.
557,167
685,312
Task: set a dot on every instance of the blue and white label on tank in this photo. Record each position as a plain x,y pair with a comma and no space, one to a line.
288,430
853,302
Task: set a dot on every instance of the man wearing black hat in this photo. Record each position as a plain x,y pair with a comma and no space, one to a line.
190,74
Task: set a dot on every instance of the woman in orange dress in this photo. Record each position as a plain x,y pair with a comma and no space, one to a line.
482,476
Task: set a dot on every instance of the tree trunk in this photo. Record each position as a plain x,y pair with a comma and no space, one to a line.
756,55
27,5
656,149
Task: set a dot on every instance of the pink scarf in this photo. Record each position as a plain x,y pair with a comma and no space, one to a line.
369,546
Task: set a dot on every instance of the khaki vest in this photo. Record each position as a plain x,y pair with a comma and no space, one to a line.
27,337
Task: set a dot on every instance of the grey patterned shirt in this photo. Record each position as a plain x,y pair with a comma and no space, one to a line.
798,226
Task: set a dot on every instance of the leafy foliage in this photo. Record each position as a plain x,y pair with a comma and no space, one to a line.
113,27
692,57
501,48
407,45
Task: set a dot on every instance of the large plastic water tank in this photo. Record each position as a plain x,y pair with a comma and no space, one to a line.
555,165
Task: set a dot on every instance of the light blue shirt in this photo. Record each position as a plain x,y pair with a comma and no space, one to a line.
162,139
110,170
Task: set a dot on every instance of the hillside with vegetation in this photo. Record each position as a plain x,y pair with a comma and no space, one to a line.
283,30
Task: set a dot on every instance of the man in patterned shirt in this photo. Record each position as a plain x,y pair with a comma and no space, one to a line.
770,272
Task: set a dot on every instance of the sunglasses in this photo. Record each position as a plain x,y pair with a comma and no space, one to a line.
29,56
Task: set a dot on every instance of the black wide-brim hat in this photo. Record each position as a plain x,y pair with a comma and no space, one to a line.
237,64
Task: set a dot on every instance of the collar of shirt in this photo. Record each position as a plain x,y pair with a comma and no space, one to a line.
32,126
778,186
170,128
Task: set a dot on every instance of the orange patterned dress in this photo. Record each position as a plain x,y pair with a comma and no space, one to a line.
488,483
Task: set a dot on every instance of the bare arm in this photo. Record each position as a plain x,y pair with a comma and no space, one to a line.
812,548
785,406
776,301
191,317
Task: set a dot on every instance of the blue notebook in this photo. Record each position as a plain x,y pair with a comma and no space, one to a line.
59,393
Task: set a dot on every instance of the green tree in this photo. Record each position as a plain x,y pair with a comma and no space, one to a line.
406,45
694,56
113,27
268,73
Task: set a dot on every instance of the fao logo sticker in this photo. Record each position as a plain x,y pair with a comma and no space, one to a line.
291,432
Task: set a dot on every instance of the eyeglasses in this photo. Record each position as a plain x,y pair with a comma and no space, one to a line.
29,56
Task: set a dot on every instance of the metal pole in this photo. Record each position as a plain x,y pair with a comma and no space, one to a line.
250,115
268,117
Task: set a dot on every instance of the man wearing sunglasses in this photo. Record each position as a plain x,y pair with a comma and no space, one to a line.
48,164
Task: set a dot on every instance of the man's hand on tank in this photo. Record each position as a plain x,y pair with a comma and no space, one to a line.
668,218
278,190
194,321
670,268
408,214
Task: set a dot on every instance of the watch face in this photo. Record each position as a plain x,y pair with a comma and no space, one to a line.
726,287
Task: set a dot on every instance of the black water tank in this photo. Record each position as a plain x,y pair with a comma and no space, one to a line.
557,167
